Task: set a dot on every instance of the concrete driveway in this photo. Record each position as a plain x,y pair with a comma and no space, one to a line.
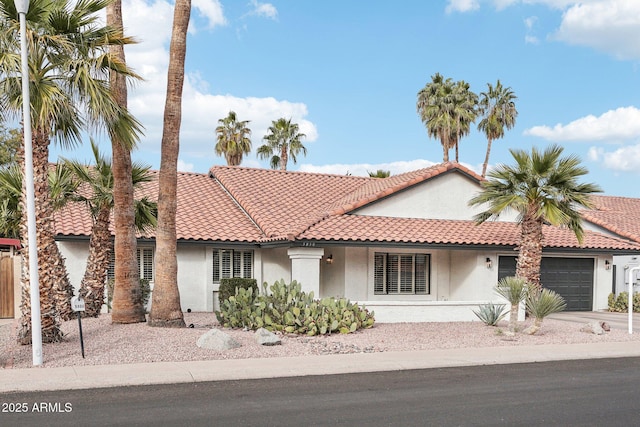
615,320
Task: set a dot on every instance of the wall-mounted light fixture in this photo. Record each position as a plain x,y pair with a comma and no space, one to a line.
488,262
329,259
607,265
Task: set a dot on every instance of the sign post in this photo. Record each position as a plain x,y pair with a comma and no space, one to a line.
630,304
77,305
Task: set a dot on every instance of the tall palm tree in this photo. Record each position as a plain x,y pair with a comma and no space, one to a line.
97,194
127,304
283,141
464,112
543,188
233,139
165,304
498,108
68,61
380,173
435,107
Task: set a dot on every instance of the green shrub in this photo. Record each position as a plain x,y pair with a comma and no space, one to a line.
491,313
228,287
620,304
145,292
288,309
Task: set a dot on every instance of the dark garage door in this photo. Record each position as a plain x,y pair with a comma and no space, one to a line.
570,277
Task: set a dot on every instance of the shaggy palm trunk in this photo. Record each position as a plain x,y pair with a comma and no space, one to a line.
127,298
486,158
284,157
165,307
100,247
50,264
530,251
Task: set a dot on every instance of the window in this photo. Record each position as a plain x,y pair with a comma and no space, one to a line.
400,273
145,264
230,263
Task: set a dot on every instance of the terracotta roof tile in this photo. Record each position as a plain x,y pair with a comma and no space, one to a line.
620,215
284,203
360,228
204,212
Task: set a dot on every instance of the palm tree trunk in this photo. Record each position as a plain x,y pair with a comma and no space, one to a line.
127,300
486,158
48,265
284,157
530,251
100,247
165,306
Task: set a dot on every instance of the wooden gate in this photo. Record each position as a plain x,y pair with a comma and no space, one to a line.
6,287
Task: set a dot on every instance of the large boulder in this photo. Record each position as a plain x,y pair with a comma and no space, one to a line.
217,340
265,337
595,327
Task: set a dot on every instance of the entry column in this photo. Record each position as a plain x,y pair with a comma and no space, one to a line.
305,268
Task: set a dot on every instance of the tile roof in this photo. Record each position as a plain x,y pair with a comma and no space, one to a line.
620,215
246,205
360,228
284,203
204,213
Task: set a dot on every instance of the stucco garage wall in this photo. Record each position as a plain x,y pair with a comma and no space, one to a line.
471,280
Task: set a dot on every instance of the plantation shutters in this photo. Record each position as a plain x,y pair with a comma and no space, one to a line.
400,273
229,263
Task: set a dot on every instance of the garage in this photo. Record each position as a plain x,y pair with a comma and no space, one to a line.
570,277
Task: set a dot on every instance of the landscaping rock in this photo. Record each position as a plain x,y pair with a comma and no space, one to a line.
217,340
593,327
605,326
265,337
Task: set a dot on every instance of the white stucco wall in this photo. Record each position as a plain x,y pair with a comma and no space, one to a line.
356,273
275,265
75,255
332,276
195,277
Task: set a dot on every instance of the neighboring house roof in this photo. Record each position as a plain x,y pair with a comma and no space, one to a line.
619,215
246,205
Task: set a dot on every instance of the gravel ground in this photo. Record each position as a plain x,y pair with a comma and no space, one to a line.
107,343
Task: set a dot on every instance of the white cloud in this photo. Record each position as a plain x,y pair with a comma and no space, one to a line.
212,10
614,125
363,169
150,22
462,5
184,166
266,10
624,159
531,40
610,26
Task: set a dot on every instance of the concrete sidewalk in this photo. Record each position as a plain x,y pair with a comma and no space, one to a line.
80,377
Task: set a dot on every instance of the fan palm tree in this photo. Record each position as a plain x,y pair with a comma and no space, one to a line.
97,194
498,108
233,139
166,310
464,112
543,188
68,61
283,141
380,173
434,107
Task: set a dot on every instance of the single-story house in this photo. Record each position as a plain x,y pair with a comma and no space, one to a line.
405,246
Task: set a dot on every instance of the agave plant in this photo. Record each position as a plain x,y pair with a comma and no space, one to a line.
514,290
541,304
490,313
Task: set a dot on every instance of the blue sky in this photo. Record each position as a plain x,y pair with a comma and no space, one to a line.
348,74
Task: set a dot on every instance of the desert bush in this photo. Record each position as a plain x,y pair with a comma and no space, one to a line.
288,309
228,287
540,304
514,290
620,304
491,313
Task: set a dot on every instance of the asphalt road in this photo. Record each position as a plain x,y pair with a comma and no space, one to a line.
602,392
